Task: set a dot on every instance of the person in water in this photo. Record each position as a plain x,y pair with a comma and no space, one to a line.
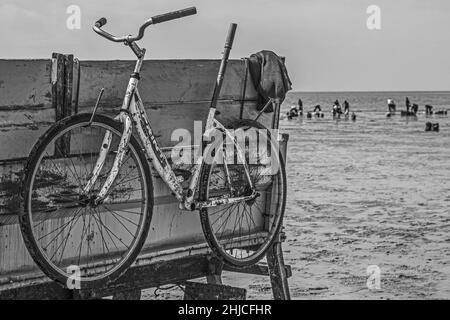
391,105
337,109
408,104
346,107
292,113
317,108
300,106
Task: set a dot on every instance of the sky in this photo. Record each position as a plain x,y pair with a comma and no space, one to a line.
327,44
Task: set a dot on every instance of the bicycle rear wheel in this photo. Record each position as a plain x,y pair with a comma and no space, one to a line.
241,233
73,240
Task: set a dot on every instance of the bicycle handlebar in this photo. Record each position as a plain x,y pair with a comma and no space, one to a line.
174,15
101,22
153,20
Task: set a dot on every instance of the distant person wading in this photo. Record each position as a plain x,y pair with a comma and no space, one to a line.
300,107
408,104
391,105
346,107
337,111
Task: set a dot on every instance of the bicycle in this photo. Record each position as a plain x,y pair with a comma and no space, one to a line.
88,192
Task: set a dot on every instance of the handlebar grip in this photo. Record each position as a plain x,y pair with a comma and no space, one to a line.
174,15
100,22
230,36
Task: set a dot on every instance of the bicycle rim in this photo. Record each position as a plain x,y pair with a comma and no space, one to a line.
65,231
241,233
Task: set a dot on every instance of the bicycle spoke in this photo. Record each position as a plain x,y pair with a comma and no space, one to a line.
64,248
71,224
109,233
226,220
114,215
67,227
126,219
63,226
82,237
104,244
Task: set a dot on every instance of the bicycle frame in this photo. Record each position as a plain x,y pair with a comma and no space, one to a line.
132,113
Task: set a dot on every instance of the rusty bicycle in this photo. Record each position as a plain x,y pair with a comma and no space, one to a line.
88,192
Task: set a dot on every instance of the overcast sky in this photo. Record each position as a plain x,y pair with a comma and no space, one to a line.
326,42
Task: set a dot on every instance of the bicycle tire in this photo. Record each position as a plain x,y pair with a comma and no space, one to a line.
205,218
26,220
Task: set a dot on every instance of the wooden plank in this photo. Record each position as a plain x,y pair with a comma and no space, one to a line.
136,278
170,228
257,269
173,94
148,276
203,291
11,174
161,81
277,272
58,85
76,84
30,119
16,143
25,104
25,84
10,178
128,295
165,119
132,282
59,102
244,84
42,290
68,85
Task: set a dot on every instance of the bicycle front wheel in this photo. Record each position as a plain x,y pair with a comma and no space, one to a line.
75,241
241,233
